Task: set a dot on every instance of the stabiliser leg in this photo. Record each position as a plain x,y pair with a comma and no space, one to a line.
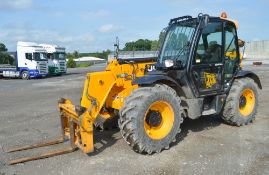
69,149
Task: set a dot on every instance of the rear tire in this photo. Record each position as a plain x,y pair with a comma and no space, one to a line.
151,118
241,103
25,75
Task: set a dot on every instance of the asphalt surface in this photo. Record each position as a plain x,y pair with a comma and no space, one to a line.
28,114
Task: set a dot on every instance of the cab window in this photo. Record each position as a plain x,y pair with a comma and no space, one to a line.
230,45
230,52
28,56
209,46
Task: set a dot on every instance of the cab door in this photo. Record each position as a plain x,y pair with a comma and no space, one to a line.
207,64
231,53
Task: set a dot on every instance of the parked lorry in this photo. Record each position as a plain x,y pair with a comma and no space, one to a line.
56,59
31,61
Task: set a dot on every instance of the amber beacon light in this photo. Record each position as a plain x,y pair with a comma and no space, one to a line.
223,15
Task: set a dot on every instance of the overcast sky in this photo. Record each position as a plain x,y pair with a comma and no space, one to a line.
92,25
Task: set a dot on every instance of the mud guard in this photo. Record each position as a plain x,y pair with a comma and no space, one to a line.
151,79
250,74
161,78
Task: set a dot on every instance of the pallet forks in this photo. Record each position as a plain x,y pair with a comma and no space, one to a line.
41,156
70,127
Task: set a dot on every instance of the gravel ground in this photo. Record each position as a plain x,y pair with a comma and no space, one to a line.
28,114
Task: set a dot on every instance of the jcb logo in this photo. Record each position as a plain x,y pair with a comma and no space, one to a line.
151,68
210,79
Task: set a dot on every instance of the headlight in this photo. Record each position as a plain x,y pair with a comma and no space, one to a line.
168,63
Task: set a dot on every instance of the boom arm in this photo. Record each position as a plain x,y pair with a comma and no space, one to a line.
102,91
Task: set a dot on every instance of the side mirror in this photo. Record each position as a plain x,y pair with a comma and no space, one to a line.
241,43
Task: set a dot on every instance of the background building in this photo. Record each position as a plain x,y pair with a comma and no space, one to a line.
92,60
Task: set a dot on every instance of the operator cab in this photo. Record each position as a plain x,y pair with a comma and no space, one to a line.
205,49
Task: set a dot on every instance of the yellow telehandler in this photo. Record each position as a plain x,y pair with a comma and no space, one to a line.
197,73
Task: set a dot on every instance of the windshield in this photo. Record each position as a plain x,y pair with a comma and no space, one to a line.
40,56
59,55
177,42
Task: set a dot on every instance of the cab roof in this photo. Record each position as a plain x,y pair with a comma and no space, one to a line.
223,17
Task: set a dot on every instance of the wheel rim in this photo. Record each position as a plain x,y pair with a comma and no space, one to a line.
24,75
159,120
247,102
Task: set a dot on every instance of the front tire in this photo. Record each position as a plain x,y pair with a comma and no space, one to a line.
151,118
241,103
25,75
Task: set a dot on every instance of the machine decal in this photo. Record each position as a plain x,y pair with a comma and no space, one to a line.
210,79
150,68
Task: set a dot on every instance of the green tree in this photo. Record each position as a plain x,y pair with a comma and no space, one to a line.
129,46
5,58
139,45
105,54
71,63
161,38
154,45
145,44
69,55
76,54
3,47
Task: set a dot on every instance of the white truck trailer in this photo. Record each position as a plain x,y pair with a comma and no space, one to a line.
56,59
31,61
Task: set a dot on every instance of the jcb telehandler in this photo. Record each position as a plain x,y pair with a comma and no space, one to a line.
197,73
